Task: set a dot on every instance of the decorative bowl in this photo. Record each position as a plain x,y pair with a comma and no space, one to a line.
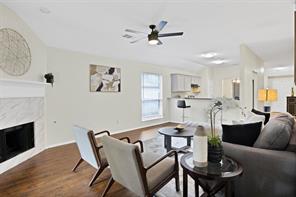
179,127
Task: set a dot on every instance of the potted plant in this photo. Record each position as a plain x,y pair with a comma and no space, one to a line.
215,149
49,78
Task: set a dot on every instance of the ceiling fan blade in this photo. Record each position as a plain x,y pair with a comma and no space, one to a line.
159,42
135,31
134,41
161,25
127,36
171,34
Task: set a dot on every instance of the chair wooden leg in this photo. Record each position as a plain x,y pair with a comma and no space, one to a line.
95,176
177,181
110,183
77,164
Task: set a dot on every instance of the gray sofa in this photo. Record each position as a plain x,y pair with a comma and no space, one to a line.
267,173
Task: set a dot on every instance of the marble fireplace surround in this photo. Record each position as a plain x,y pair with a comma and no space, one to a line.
23,102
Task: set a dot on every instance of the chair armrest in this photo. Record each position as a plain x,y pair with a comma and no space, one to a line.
170,153
99,147
125,138
101,132
141,145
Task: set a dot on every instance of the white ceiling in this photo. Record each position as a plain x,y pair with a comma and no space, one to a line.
97,26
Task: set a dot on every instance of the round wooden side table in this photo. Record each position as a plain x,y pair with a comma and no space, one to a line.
170,132
212,178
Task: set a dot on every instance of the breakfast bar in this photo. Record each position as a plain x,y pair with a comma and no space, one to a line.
196,113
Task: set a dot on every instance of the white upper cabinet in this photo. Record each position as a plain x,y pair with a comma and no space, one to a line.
196,80
177,82
182,83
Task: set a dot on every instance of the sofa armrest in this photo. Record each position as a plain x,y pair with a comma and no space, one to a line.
266,172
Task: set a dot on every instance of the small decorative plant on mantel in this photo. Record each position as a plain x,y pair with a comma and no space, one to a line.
215,150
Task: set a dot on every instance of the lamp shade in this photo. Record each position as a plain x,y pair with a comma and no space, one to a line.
267,95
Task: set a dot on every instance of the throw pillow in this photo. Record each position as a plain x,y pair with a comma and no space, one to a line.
267,115
291,120
276,133
243,134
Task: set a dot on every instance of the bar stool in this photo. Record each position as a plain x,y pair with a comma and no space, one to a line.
182,104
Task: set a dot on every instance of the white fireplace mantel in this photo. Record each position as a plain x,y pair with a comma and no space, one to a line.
20,88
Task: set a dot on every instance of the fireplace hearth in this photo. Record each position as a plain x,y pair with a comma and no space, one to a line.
16,140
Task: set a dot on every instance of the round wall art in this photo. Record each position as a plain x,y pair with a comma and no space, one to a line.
15,55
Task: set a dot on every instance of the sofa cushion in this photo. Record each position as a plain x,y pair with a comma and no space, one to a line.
267,115
292,143
158,172
243,134
276,133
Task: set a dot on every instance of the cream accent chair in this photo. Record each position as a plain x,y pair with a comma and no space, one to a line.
90,151
142,173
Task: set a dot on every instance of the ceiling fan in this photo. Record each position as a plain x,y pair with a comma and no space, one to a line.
153,37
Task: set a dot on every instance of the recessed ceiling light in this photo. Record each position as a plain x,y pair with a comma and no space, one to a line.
219,61
44,10
208,55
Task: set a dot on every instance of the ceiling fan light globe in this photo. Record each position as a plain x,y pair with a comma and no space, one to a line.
153,42
153,38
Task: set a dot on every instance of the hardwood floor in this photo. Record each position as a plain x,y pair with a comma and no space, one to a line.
49,173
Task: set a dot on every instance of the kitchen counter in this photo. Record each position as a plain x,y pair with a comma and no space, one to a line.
196,113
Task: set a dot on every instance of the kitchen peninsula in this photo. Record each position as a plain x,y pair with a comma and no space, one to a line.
196,113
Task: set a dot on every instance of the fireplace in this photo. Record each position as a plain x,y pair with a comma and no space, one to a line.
16,140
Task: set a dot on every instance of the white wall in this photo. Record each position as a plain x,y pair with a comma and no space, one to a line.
221,73
206,83
8,19
15,111
281,79
283,86
70,102
250,62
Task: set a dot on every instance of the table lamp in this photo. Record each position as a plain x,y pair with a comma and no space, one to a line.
267,96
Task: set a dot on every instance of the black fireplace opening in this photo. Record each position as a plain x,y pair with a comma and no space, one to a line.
16,140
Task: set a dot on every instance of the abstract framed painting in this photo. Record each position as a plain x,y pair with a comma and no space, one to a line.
104,78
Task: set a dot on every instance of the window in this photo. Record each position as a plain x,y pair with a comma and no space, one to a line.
151,96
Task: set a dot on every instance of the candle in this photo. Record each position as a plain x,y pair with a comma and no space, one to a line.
200,147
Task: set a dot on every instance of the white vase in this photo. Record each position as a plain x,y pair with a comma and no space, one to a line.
200,148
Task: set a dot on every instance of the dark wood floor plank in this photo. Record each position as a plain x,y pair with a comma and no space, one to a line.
49,173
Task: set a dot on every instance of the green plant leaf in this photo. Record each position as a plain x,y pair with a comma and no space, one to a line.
214,141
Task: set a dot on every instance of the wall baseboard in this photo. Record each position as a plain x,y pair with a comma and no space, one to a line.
59,144
142,128
116,132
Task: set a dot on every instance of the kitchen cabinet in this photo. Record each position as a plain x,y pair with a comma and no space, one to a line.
291,105
182,83
177,83
195,80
